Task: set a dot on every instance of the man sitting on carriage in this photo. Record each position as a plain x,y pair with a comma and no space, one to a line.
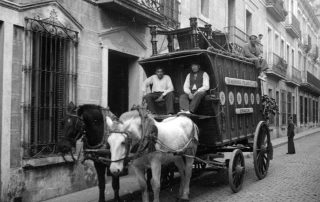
253,51
161,90
195,88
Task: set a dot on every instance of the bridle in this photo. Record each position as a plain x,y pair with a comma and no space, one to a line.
127,142
79,127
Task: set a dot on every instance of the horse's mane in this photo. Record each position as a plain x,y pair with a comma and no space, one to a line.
86,107
129,115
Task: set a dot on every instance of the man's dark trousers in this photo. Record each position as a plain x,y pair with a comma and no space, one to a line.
192,106
169,100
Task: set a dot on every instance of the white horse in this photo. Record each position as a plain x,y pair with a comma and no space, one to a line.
178,134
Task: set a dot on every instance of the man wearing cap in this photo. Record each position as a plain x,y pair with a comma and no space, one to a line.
162,90
195,87
252,50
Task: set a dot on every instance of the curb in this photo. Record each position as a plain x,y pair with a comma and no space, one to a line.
297,137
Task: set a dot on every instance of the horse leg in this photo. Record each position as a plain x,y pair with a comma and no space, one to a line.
101,170
181,168
155,181
142,182
116,187
188,173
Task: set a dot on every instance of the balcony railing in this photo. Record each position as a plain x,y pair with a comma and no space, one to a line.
145,11
278,65
293,26
311,79
276,9
296,75
237,39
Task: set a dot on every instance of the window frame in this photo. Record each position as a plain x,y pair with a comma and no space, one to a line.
33,27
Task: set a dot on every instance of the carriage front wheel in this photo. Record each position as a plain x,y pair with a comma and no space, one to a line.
262,150
236,170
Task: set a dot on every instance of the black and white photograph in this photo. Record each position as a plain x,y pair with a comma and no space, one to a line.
159,100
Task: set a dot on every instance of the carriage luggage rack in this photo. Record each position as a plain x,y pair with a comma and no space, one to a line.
194,37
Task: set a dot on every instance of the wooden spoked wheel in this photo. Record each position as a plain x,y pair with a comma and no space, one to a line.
262,150
236,170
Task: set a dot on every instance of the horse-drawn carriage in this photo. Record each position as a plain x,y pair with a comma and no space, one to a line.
229,118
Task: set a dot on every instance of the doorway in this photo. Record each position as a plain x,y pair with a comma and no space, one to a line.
118,81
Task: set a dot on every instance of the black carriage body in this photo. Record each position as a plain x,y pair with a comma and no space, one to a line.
233,101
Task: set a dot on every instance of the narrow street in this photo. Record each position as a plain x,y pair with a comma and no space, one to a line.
290,178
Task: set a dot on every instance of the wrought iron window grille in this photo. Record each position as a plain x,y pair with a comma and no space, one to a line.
50,78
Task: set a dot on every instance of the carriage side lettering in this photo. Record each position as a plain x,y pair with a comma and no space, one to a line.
240,82
244,110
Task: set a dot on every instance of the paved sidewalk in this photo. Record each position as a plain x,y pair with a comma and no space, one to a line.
129,185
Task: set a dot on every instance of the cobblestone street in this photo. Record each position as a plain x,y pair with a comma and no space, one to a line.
290,178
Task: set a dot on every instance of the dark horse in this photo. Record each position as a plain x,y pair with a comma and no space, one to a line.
87,121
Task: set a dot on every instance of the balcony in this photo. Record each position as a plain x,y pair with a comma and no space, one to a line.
312,84
278,66
293,26
145,11
296,78
305,43
314,53
276,9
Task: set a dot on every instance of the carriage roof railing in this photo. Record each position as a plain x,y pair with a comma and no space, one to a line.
195,38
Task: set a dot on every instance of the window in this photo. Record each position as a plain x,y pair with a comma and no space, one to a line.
317,112
50,83
170,11
314,111
288,54
282,48
292,56
205,8
310,109
278,103
289,95
301,110
305,110
276,44
248,23
269,44
283,107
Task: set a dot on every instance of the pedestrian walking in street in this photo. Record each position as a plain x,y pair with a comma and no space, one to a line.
290,134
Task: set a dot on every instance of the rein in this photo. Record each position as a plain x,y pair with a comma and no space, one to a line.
143,148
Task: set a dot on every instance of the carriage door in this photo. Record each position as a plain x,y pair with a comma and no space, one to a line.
118,81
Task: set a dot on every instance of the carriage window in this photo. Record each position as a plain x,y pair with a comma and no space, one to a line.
50,83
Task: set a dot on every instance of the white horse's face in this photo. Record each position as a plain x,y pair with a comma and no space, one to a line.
118,142
118,151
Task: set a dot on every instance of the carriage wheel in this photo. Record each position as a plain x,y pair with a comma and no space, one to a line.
236,170
262,150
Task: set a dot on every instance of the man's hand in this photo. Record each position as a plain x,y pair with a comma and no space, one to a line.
159,99
191,96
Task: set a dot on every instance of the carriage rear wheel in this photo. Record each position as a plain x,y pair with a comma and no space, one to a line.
236,170
262,150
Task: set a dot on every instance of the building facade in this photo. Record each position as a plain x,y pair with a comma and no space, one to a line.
56,51
87,51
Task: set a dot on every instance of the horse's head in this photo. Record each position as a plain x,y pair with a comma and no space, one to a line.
122,135
72,126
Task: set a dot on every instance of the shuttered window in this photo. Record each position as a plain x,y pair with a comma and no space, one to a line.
50,83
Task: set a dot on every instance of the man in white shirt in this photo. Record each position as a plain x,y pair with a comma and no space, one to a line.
162,90
195,87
